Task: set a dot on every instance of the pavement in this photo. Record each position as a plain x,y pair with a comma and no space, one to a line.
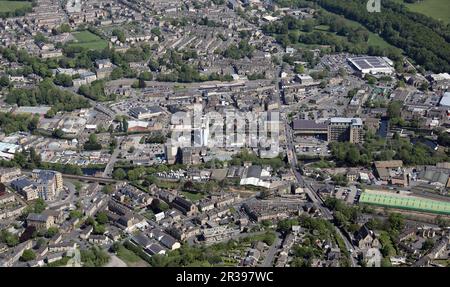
68,199
115,262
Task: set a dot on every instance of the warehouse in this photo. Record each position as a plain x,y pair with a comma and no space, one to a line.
371,65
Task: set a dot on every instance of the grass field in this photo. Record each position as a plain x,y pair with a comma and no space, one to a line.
437,9
10,6
131,259
374,39
193,196
86,39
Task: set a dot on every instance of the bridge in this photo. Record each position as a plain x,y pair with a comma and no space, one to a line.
90,178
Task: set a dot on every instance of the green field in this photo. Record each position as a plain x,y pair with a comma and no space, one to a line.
437,9
130,258
10,6
193,196
393,200
86,39
374,39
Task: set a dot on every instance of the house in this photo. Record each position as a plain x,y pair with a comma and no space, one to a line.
40,221
185,206
391,172
366,239
155,248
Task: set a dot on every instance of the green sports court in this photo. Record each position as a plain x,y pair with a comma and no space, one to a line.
394,200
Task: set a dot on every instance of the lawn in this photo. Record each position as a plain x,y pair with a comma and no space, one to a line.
11,6
375,40
193,196
88,40
437,9
130,258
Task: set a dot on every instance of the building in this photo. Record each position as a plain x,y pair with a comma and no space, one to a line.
8,150
345,130
49,183
8,174
25,187
371,65
304,79
141,113
391,172
40,221
445,100
310,128
366,239
185,206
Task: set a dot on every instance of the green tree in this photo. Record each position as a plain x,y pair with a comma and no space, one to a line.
4,81
102,218
51,231
28,255
8,238
119,174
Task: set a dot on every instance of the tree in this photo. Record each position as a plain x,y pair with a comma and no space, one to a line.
8,238
102,218
119,174
4,81
92,143
428,244
385,262
107,189
75,214
119,34
94,257
117,73
51,231
396,222
39,206
28,255
146,76
63,80
299,69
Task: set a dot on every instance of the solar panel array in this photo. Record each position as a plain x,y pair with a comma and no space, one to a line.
369,62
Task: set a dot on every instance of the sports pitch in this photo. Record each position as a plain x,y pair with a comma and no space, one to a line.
389,199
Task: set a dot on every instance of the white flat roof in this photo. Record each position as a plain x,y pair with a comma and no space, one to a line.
445,101
356,121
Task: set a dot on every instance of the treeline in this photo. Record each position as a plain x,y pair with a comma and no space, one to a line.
400,28
182,72
19,11
342,36
31,64
96,91
374,149
11,123
189,74
236,52
46,93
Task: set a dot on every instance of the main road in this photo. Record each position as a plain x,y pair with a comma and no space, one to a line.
312,195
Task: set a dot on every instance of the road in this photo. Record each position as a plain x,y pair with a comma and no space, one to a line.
273,249
69,197
110,166
312,195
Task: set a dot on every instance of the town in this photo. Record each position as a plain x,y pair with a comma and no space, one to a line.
207,133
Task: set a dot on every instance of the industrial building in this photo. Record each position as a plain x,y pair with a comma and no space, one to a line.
345,130
371,65
334,130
